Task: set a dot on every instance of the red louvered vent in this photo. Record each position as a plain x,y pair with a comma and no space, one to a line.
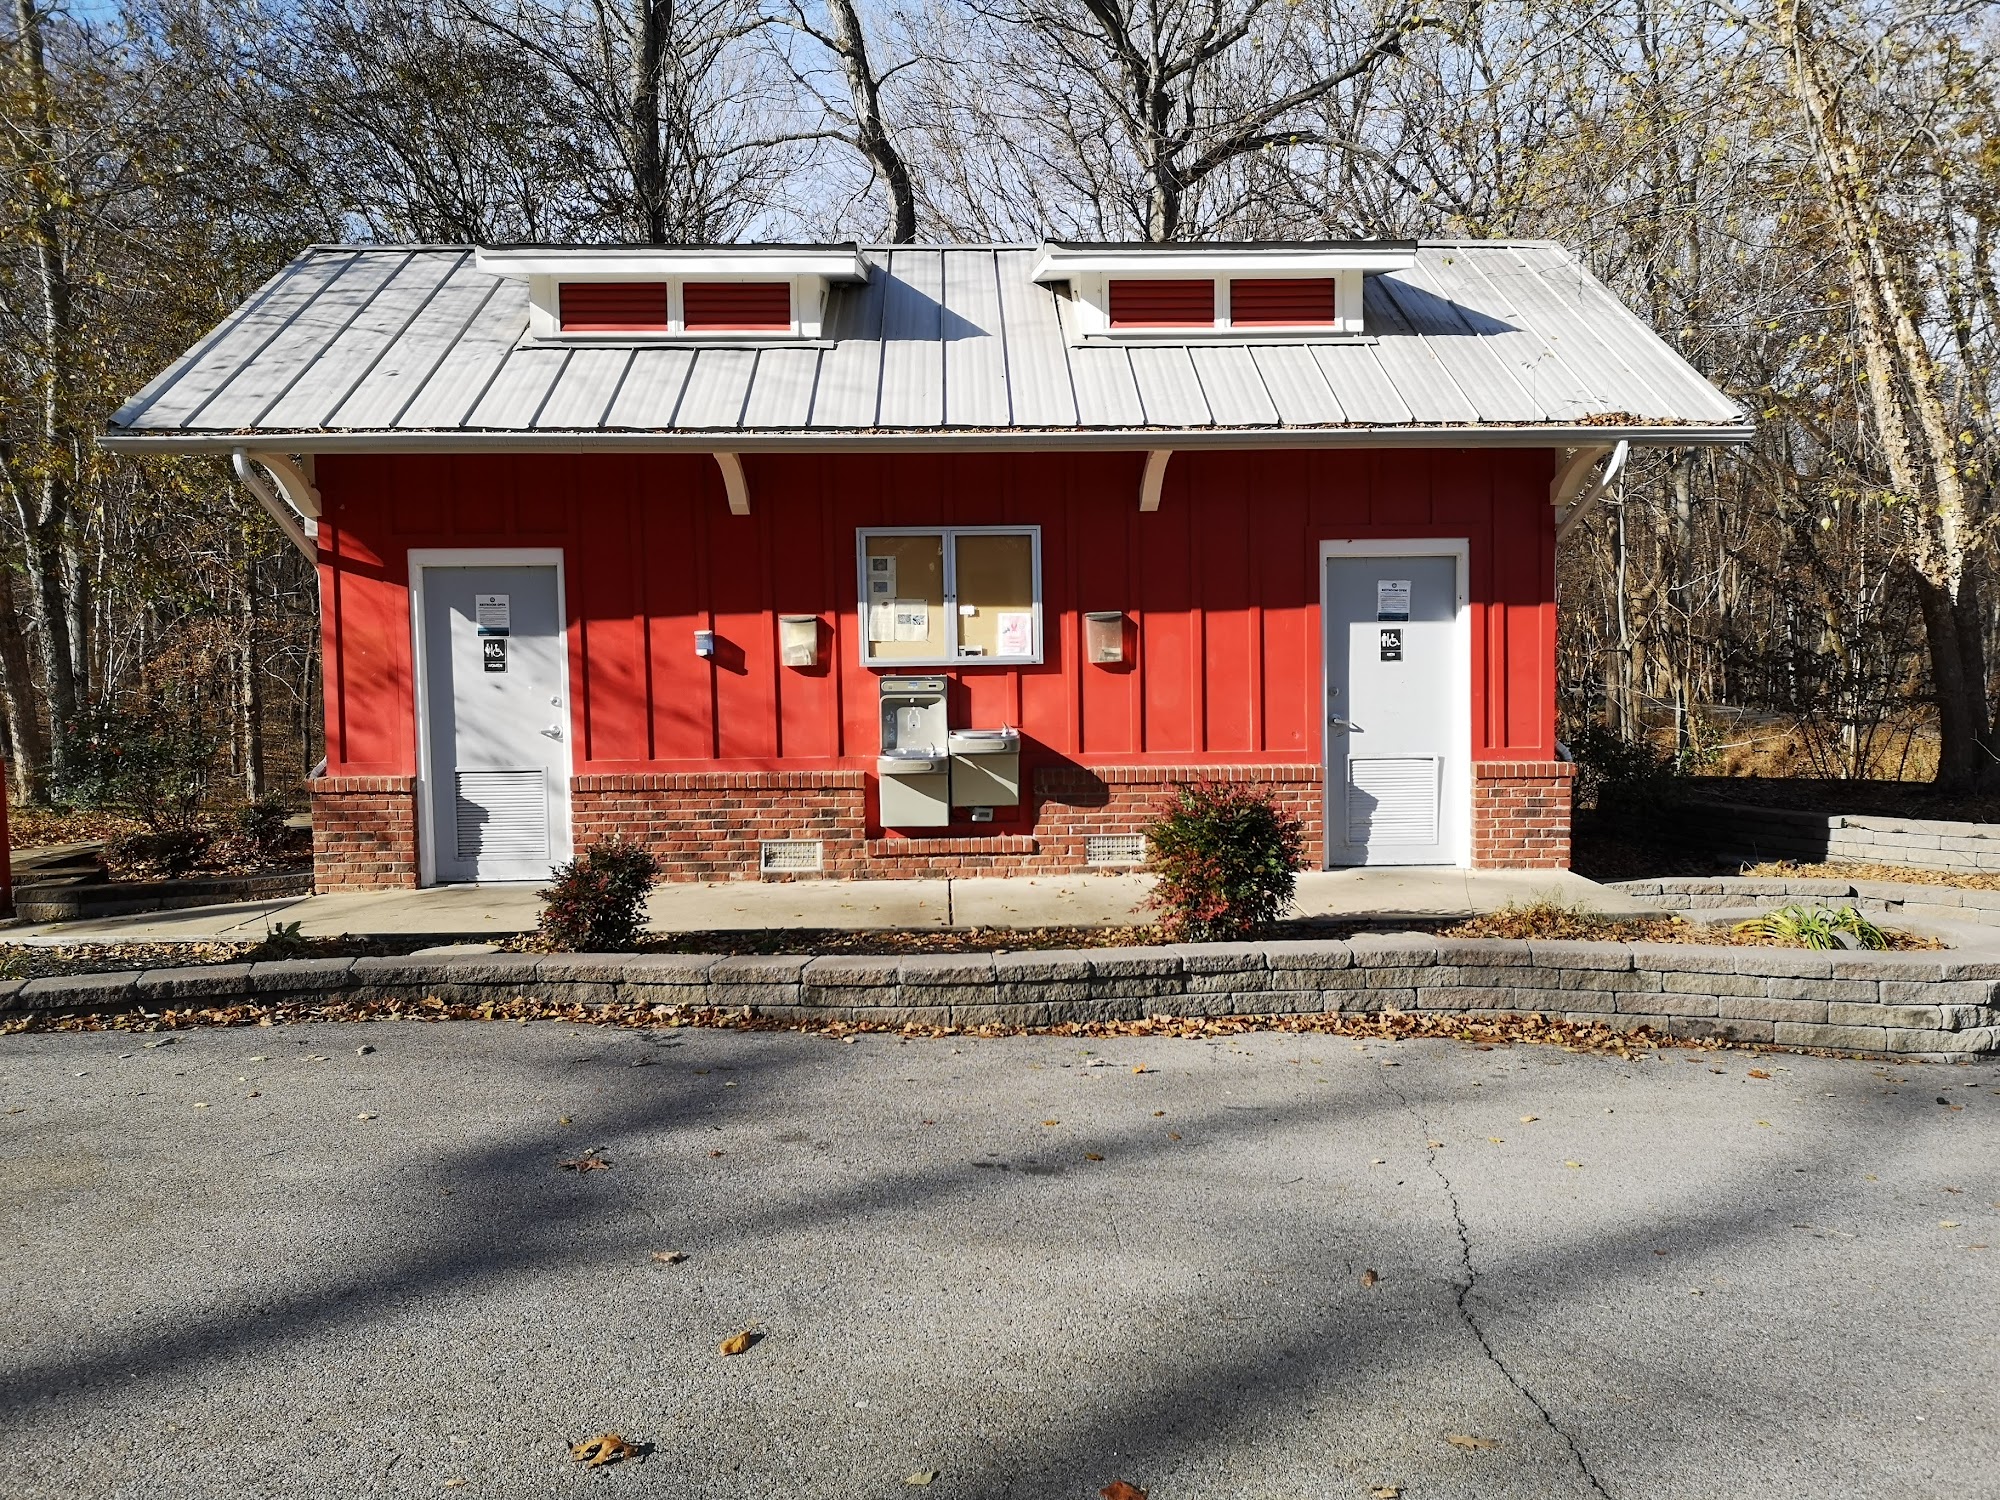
1162,304
614,307
1290,302
736,306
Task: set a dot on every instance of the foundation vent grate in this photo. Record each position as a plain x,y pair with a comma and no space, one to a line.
790,856
1115,849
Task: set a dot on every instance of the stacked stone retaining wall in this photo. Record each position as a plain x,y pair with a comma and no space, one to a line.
1928,1004
1730,830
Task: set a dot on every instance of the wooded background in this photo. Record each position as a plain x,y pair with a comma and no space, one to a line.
1802,197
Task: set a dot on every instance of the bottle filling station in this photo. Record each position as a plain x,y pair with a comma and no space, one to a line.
928,768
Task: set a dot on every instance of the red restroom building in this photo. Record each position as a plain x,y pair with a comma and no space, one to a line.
888,562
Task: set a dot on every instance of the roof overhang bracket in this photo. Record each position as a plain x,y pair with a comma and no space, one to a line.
1574,491
1154,476
296,510
734,485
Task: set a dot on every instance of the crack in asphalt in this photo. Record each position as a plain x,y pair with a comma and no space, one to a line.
1469,1278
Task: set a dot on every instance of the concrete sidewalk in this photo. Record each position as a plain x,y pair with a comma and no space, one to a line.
493,911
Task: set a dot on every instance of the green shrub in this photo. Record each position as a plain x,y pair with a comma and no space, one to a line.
597,901
1227,860
1613,769
156,763
1816,927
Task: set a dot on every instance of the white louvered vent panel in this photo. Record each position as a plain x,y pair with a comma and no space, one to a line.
503,815
1115,849
1393,800
790,856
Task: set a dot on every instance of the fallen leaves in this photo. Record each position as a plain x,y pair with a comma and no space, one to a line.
921,1478
1092,1156
1118,1489
1759,1073
1386,1492
605,1448
1470,1443
1532,1028
1052,1122
670,1257
584,1164
737,1343
1529,1119
1369,1278
1573,1164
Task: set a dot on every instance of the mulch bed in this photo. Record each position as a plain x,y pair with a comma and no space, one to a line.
1483,1031
1568,925
35,961
40,828
1853,869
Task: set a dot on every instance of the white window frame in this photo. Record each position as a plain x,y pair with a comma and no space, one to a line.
950,658
1093,309
808,294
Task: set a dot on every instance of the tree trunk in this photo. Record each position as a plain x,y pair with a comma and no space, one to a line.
649,175
1940,533
871,136
27,742
44,499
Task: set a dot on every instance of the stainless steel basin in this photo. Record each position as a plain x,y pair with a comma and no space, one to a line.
911,762
984,741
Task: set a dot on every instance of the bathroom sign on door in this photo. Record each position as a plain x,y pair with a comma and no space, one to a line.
493,613
1392,598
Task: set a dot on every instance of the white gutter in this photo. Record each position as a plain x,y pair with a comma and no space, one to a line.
1568,493
294,525
950,440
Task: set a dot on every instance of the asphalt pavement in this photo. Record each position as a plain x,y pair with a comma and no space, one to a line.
260,1262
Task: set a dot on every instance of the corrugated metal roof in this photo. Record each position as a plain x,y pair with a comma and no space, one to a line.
415,343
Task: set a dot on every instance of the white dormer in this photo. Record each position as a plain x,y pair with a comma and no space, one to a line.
705,294
1179,292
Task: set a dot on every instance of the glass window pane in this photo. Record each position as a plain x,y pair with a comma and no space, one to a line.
902,597
996,594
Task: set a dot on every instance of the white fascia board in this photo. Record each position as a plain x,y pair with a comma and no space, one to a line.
843,263
1060,263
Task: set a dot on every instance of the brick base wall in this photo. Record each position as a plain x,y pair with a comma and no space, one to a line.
708,825
364,832
1520,814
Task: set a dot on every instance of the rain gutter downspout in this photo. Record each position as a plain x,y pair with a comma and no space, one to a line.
290,521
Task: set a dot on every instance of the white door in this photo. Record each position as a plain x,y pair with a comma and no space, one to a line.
1395,726
498,773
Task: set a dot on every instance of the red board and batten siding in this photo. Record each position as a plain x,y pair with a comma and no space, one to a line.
1221,585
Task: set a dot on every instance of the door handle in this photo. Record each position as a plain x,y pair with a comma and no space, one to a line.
554,731
1341,724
